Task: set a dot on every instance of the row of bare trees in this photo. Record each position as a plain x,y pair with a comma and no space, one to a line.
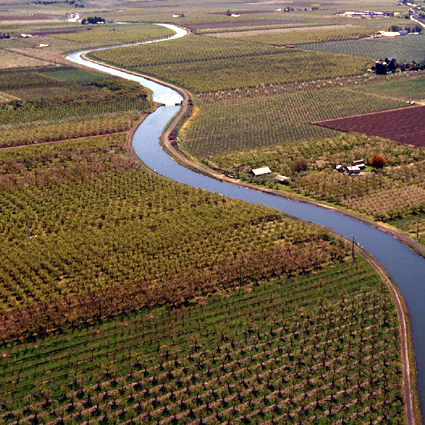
69,311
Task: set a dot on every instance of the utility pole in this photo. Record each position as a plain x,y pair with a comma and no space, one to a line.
417,229
28,229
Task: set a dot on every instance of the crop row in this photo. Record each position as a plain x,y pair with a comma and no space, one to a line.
228,64
274,119
144,333
102,124
116,34
16,116
405,49
306,35
249,354
160,242
323,154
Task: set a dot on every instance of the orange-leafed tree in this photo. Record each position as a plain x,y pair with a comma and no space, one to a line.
377,161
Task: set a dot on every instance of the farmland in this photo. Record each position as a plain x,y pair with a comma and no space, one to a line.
409,89
60,39
281,351
405,49
45,108
272,119
405,126
392,194
281,37
96,187
115,34
203,64
128,298
14,60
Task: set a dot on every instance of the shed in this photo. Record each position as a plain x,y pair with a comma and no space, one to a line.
353,169
261,171
282,179
359,163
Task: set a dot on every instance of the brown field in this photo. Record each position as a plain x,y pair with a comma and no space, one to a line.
406,126
9,59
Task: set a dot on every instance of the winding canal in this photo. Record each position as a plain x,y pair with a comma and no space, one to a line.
406,268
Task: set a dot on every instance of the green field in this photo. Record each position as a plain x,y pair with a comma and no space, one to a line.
319,349
203,64
413,225
408,90
74,75
272,119
115,34
307,35
63,103
405,49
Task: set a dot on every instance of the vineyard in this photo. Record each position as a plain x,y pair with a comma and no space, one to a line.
203,64
318,349
413,225
396,192
127,298
272,119
405,49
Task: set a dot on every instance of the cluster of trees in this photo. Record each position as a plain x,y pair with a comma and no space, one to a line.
408,28
93,20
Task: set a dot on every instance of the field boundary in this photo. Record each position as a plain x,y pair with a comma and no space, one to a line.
53,142
368,114
181,158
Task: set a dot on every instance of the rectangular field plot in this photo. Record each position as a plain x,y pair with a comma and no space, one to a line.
408,89
319,349
405,49
273,119
405,126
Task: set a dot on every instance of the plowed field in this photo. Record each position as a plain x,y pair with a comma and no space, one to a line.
406,126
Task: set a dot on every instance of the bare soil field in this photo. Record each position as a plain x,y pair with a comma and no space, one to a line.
9,59
406,126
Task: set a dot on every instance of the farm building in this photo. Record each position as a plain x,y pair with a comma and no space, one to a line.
261,171
282,179
359,163
353,169
390,33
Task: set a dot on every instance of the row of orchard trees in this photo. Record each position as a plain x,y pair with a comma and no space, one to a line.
72,310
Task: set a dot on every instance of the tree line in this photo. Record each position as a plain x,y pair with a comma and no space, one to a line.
69,311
